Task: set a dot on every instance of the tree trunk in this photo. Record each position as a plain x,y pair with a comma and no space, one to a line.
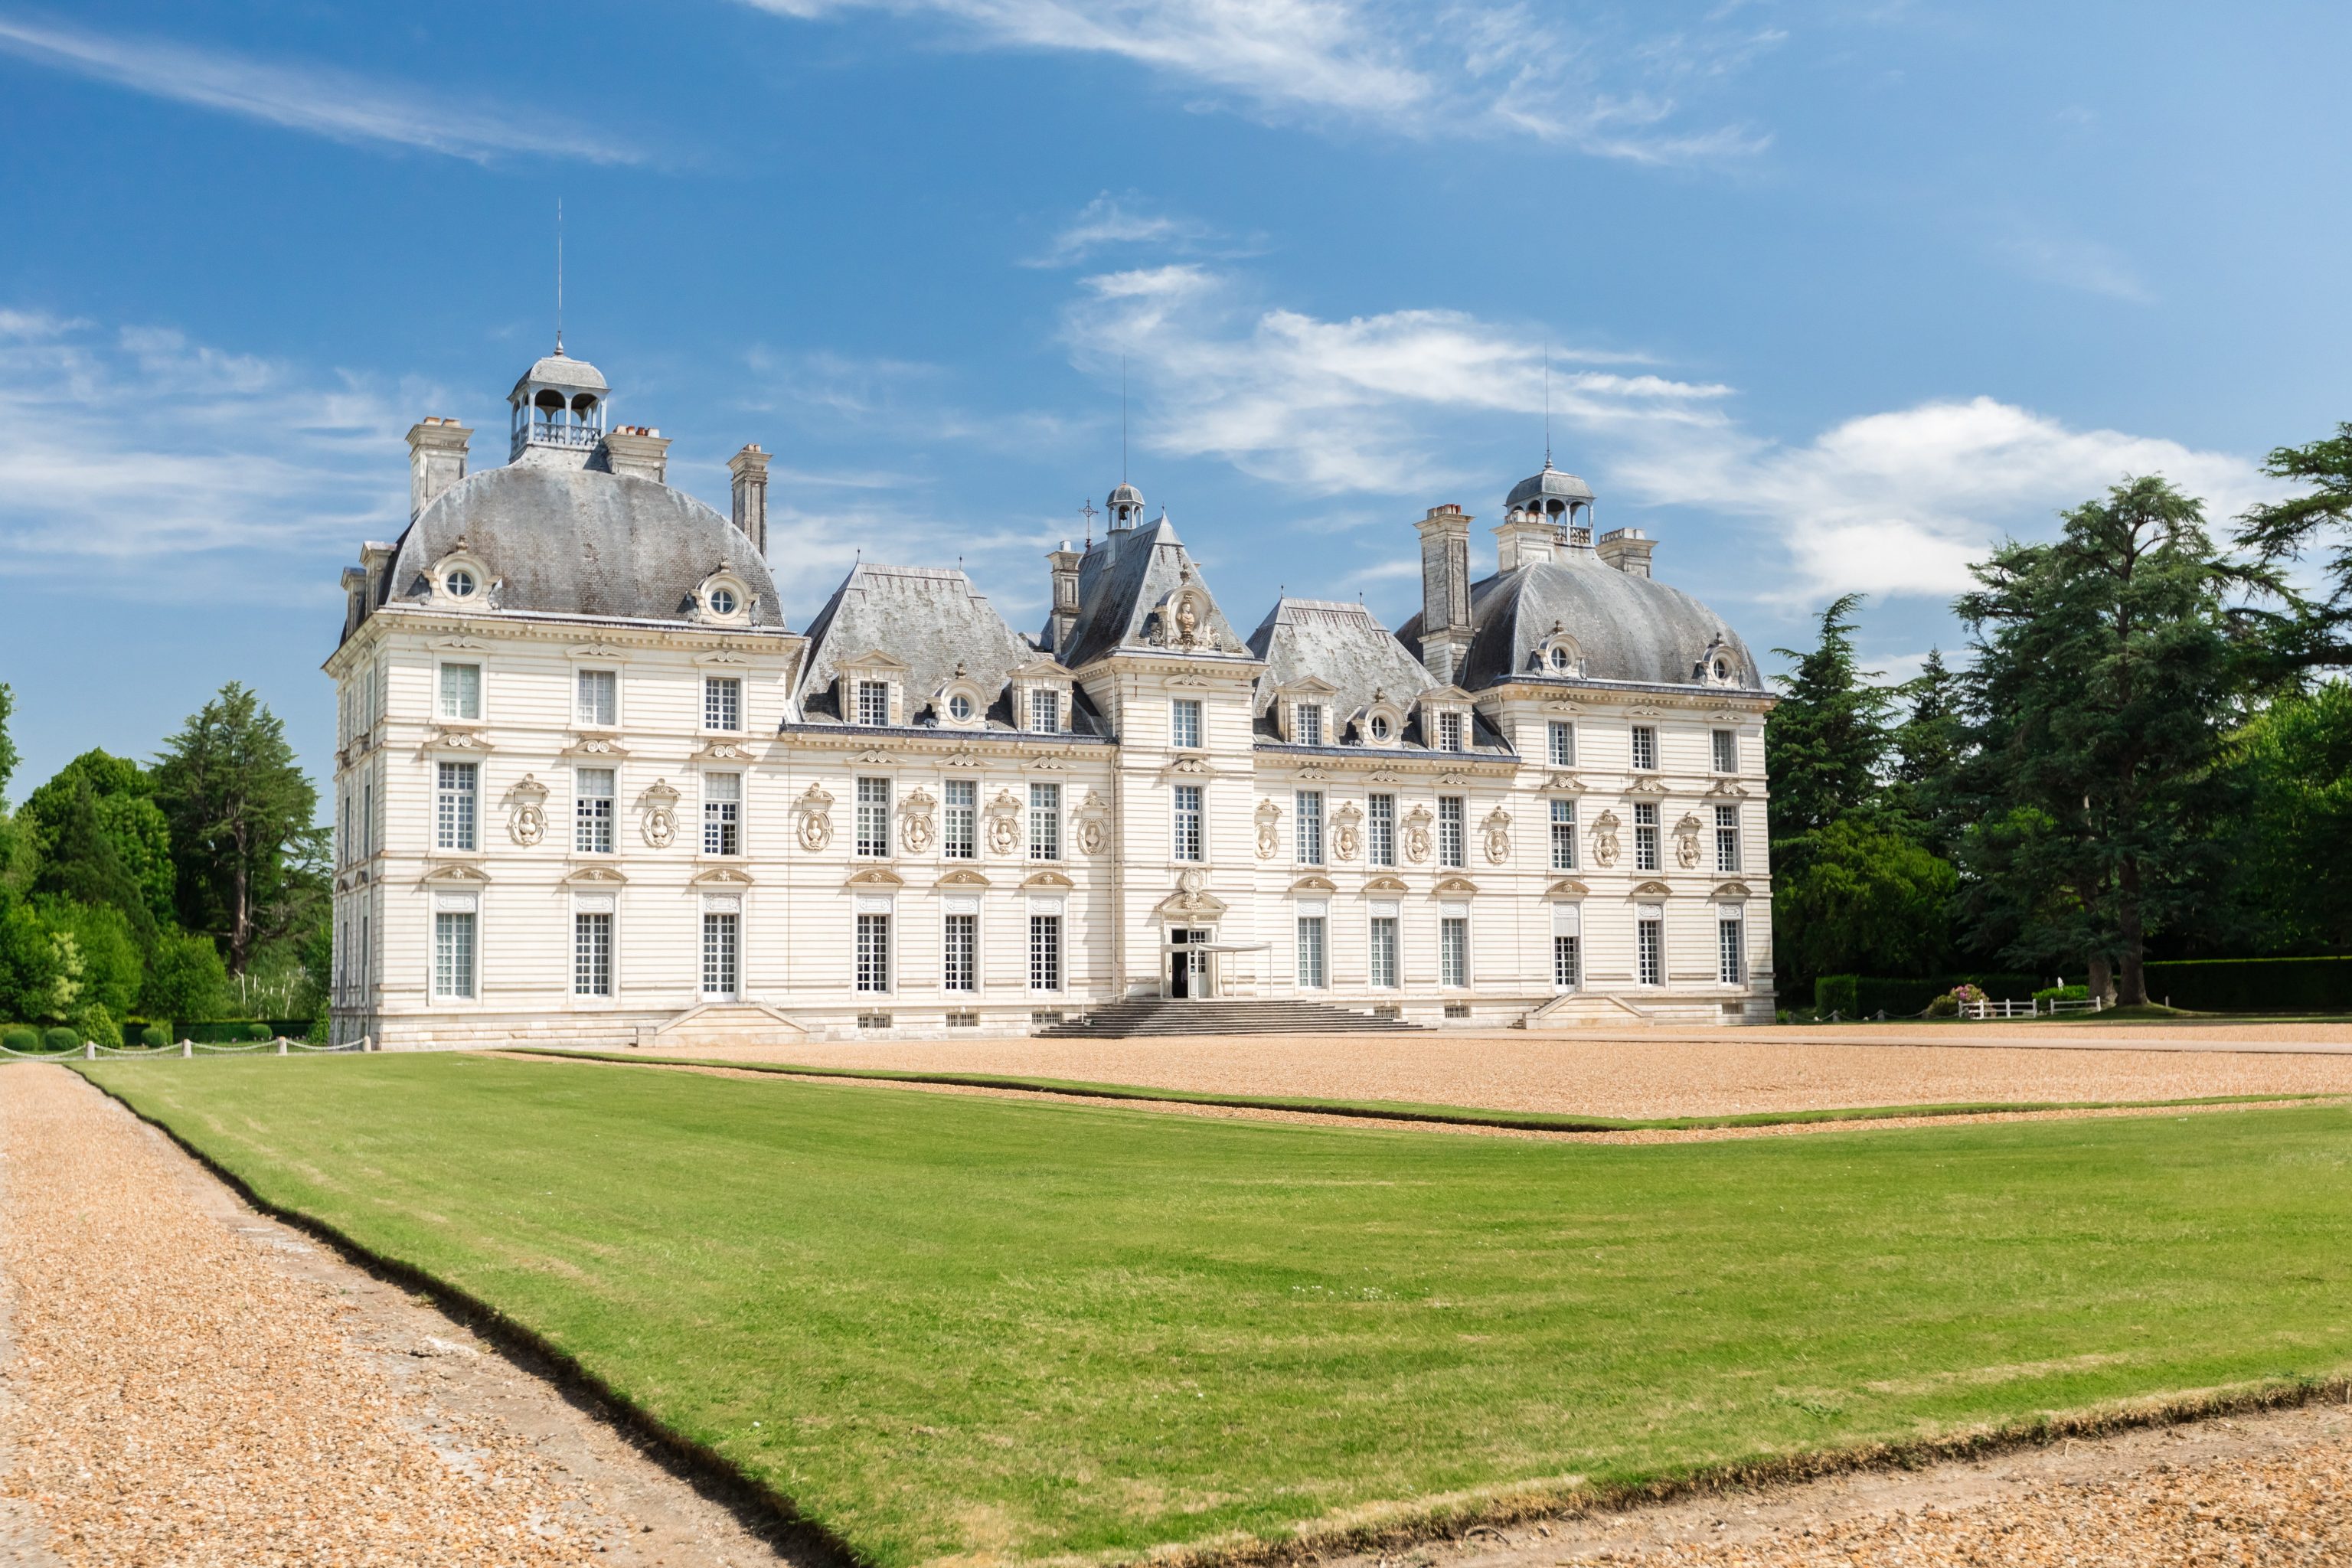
2102,977
2133,980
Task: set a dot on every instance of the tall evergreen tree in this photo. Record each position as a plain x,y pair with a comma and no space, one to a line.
1826,741
8,745
239,811
103,839
2320,633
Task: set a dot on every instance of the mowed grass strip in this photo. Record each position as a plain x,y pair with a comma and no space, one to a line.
1408,1111
951,1327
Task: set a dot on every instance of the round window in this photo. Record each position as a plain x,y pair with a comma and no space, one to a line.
1379,726
958,707
1559,658
460,583
1723,669
722,601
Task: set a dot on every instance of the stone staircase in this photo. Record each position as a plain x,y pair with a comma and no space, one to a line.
1145,1015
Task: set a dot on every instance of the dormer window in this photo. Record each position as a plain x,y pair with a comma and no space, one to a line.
459,583
723,601
1044,712
722,598
1449,731
1307,724
873,702
1380,727
959,708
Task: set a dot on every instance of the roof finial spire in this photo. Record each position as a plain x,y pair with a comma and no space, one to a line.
1547,402
1086,509
559,275
1122,419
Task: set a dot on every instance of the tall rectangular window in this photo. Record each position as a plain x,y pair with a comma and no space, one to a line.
721,958
1726,750
722,703
1379,829
453,954
455,816
461,692
1384,951
591,811
1645,836
722,813
1449,830
1184,721
367,819
960,820
344,847
1645,749
960,954
1310,951
1563,744
873,702
597,697
1188,822
1563,835
874,952
1731,965
1044,952
1650,947
1449,731
1044,822
1726,838
1308,719
592,954
1044,712
1308,804
1453,950
1567,963
874,816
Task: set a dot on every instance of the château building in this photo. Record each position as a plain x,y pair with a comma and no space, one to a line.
592,787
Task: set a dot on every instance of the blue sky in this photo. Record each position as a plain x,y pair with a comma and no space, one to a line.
1833,295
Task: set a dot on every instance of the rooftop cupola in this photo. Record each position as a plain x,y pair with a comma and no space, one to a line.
559,413
1561,499
1125,506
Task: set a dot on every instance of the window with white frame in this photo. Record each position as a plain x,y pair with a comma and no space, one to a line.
722,703
1379,829
1044,822
1453,950
1044,712
1645,749
722,932
1310,951
1187,822
367,819
1449,830
1645,836
1307,724
456,814
722,813
1726,750
1044,952
1184,723
1650,945
453,954
1308,813
1731,947
597,696
873,816
959,953
1726,838
874,703
461,692
344,849
1384,951
591,953
960,820
1567,947
874,952
1563,744
1563,835
1449,731
591,811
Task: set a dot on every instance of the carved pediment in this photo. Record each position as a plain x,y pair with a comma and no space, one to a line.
1648,783
1046,879
1314,884
1566,887
596,650
454,874
875,757
962,877
1564,784
875,877
594,746
448,738
1192,901
1733,890
1386,884
1194,766
720,656
724,752
1651,890
1727,787
593,877
1455,887
458,645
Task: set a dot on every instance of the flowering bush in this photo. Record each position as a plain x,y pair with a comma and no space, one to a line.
1949,1004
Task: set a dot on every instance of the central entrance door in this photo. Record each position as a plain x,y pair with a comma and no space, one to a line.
1188,972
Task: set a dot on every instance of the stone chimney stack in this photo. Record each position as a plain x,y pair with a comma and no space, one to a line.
436,459
1525,539
635,449
1063,564
1628,550
1444,590
749,468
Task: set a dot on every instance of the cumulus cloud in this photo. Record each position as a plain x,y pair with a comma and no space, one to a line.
312,99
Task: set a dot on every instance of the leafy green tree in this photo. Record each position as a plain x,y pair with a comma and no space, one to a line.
2320,633
1867,899
40,966
2295,761
2102,687
8,745
113,958
239,813
185,979
1826,741
101,838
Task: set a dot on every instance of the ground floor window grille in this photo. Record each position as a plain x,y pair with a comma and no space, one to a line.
1731,961
1044,952
720,955
1565,963
1384,951
959,966
874,952
1650,950
1310,951
592,954
1454,950
964,1020
452,956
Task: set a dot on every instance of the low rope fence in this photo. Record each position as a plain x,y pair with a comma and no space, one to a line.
90,1050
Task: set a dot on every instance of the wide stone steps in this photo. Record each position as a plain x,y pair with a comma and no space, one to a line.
1159,1015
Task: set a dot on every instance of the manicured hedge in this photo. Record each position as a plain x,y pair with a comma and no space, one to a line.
1866,996
237,1031
60,1039
2254,985
20,1038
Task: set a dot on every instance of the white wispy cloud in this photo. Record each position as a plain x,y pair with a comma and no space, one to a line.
1108,222
1415,68
315,99
2071,262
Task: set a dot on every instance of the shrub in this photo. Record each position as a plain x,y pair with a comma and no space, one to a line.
1838,994
2254,984
155,1037
1945,1006
2049,993
20,1038
92,1022
60,1039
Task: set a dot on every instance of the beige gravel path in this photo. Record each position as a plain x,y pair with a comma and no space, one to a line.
193,1385
1648,1074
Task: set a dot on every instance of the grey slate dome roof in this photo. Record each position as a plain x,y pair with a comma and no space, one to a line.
559,369
579,542
1127,493
1551,483
1626,627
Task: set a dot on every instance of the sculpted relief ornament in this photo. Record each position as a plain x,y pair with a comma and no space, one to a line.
527,824
658,822
1003,823
1094,825
1416,835
1346,831
1687,842
915,820
1604,838
814,814
1269,817
1497,829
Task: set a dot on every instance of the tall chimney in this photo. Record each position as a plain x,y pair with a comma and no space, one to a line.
749,468
635,449
1628,550
436,459
1063,564
1444,590
1525,539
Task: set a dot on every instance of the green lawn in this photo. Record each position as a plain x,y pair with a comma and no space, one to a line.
948,1326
